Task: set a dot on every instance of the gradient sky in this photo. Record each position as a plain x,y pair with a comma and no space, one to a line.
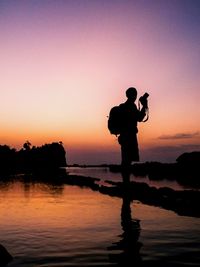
64,64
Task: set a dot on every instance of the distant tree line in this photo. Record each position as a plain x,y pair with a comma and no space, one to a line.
46,156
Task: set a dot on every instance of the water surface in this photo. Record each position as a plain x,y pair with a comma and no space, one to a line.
104,174
44,224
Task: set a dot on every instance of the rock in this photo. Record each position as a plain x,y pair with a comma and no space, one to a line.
5,256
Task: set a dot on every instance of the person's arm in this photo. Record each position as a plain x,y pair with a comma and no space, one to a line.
142,113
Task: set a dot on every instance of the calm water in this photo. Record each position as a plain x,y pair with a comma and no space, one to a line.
61,225
104,174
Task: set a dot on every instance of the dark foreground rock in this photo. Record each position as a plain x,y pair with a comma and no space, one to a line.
5,256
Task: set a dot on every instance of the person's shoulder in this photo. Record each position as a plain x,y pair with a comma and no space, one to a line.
127,105
122,105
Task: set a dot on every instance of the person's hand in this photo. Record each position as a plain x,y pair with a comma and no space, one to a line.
144,103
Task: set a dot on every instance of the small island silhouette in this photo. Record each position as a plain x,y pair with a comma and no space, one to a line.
31,157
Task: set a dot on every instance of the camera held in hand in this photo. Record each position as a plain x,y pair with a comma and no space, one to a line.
143,99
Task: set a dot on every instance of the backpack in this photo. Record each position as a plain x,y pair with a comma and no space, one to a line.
115,120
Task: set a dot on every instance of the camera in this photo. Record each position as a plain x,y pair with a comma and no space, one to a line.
143,99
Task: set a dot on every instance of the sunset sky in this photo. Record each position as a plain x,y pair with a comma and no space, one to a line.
64,64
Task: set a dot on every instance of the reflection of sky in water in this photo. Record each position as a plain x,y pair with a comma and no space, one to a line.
46,225
105,174
61,225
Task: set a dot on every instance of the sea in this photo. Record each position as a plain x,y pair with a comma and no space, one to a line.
45,224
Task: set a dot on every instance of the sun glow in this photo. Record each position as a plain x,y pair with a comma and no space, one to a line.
64,66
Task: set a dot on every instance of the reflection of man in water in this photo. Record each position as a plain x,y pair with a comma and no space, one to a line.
128,244
131,233
131,115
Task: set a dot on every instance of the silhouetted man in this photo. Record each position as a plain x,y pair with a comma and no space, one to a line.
130,116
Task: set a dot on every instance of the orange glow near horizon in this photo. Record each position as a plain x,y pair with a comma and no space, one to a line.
64,66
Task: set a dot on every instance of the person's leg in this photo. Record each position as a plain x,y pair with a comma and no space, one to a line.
125,164
125,158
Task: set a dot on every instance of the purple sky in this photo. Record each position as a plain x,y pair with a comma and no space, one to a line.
64,64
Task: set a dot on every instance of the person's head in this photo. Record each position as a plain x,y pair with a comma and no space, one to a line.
131,93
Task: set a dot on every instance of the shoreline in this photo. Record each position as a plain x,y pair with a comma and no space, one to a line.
182,202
